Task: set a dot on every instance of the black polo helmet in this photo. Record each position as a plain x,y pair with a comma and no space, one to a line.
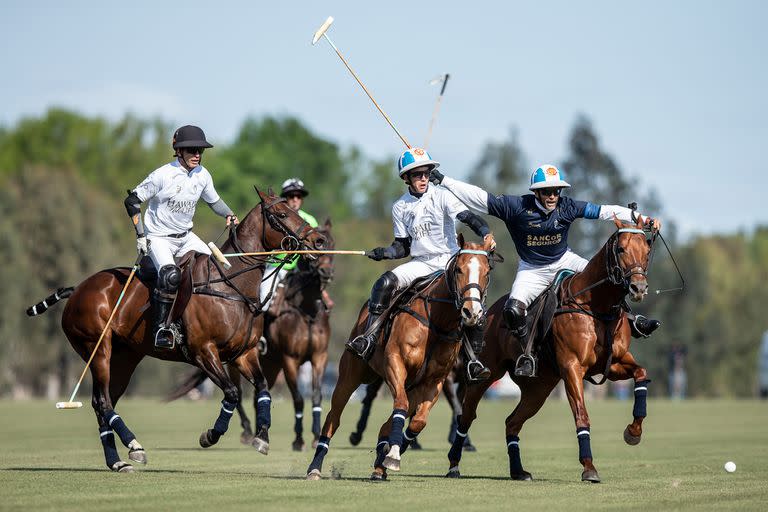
294,185
189,136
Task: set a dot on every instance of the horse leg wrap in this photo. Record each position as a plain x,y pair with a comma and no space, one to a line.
585,448
108,443
118,425
454,454
263,413
382,447
513,451
298,425
320,452
316,412
641,393
398,422
225,414
409,437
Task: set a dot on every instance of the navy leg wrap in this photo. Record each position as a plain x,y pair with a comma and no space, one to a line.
298,425
225,414
585,448
316,412
398,422
641,393
118,425
513,451
457,446
108,442
320,452
382,447
263,413
409,436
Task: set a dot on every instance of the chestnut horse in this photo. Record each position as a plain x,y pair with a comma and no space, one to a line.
222,322
299,333
590,335
418,350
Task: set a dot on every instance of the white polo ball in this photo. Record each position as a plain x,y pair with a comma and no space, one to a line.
730,466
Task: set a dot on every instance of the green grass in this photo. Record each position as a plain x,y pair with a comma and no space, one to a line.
52,460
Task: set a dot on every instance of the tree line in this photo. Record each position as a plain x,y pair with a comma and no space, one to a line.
63,177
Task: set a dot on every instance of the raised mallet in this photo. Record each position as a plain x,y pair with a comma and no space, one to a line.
321,32
444,80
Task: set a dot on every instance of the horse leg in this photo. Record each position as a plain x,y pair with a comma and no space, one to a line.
574,388
455,392
533,394
396,375
425,398
627,368
351,370
472,397
122,367
208,360
319,362
246,436
371,390
291,372
250,368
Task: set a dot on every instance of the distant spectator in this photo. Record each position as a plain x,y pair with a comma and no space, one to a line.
678,378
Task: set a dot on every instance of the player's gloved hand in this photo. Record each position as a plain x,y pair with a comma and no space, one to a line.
142,245
232,219
436,176
376,254
489,239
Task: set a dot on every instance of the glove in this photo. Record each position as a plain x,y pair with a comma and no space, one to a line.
376,254
232,219
489,238
436,176
142,245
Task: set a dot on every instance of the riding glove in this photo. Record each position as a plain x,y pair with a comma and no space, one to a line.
376,254
142,245
436,176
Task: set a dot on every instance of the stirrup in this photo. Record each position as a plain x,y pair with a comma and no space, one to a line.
477,371
365,351
165,338
525,366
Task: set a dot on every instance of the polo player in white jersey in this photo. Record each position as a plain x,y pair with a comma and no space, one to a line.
173,191
424,221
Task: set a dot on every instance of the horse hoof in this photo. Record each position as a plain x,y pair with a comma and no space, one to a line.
314,443
469,447
138,455
246,437
355,438
453,473
297,445
526,476
314,475
122,467
590,475
261,445
207,440
629,438
415,445
378,477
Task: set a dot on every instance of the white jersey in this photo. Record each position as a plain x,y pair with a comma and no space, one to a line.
173,195
429,220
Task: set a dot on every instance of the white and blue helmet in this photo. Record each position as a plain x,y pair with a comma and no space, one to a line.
547,176
415,157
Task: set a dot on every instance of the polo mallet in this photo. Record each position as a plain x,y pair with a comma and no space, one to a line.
321,32
222,258
76,405
444,79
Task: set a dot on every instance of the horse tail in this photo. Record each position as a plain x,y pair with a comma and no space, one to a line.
42,306
194,379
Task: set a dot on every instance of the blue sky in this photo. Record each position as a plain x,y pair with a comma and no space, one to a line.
676,90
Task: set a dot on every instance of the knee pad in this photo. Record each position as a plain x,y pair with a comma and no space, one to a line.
169,278
514,312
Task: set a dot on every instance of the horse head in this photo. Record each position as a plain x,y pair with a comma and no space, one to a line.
468,275
323,264
276,226
628,257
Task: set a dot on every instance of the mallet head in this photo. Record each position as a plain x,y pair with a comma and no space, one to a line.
69,405
216,252
323,28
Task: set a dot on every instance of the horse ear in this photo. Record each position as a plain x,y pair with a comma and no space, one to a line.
328,223
460,239
640,222
259,192
270,192
616,221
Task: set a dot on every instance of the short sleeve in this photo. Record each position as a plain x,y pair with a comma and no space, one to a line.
397,221
151,185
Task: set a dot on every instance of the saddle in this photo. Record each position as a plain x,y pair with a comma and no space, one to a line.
542,311
147,274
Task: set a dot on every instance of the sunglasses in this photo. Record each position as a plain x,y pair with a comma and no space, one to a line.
194,151
419,174
549,192
294,196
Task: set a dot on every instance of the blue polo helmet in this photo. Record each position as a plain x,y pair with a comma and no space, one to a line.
547,176
415,157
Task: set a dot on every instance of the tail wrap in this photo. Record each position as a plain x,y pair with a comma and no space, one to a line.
42,306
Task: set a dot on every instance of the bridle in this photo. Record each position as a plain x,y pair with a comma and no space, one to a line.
459,296
291,241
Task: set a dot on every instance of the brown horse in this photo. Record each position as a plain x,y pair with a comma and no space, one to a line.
590,335
298,333
221,323
419,349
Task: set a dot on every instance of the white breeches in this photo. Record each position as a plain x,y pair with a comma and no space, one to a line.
531,280
416,268
163,249
272,277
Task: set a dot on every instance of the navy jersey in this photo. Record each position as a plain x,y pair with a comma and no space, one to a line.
540,238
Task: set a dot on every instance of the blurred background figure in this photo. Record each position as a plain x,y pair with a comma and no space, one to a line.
762,367
678,378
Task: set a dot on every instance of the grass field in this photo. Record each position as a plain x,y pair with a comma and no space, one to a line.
52,460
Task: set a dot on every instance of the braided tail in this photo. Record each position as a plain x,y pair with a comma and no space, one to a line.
42,306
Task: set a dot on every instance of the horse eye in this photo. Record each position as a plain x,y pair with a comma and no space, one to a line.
620,250
282,215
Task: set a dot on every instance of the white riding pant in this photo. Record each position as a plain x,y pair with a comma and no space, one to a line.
531,280
163,249
271,277
418,267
